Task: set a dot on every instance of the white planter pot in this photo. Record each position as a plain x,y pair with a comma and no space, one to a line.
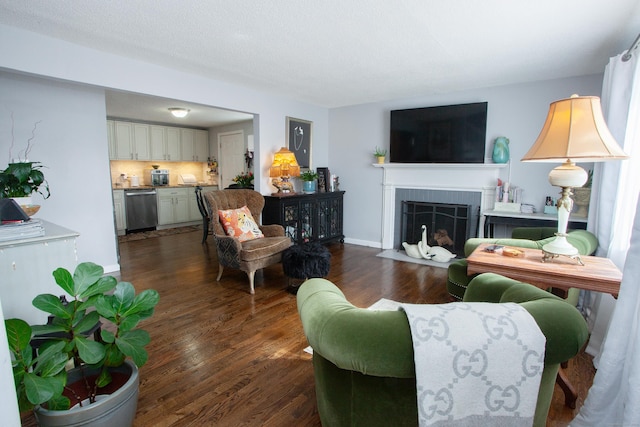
116,409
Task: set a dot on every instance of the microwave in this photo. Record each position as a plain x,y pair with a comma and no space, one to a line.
158,177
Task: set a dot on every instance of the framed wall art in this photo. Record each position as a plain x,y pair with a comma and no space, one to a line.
323,180
299,133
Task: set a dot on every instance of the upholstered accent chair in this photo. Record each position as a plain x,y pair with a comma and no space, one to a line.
250,255
522,237
363,359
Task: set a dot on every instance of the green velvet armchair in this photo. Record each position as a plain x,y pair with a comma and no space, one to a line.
521,237
363,359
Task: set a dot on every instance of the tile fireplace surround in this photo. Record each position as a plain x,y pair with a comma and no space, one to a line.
475,177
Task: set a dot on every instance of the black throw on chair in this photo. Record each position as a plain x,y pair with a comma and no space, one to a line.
205,214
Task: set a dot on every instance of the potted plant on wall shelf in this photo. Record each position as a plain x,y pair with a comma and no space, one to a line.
380,154
22,178
309,179
104,378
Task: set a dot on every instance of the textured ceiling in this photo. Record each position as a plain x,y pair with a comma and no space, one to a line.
335,52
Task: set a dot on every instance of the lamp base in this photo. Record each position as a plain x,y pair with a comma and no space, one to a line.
560,247
283,185
566,176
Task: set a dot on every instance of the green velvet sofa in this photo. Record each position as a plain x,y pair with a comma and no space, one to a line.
363,359
522,237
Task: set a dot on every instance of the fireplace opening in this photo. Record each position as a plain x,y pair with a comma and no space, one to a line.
448,225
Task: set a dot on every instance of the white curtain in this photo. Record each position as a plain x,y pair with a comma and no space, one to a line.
615,185
613,398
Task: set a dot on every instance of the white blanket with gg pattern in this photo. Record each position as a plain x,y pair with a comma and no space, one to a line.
476,363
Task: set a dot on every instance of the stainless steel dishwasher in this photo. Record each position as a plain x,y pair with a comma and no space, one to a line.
142,209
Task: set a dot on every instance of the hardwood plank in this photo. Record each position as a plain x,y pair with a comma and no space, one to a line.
220,356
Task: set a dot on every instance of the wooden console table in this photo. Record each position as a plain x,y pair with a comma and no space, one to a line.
597,274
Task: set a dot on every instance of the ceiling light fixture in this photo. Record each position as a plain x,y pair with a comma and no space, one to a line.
179,112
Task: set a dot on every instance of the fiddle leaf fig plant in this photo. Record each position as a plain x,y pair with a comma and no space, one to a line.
41,377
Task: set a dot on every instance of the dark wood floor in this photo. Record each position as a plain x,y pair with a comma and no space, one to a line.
220,356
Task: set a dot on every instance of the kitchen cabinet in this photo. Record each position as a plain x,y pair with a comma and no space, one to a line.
173,143
307,217
141,145
165,143
173,205
111,139
187,141
119,212
194,145
139,141
158,142
131,141
201,146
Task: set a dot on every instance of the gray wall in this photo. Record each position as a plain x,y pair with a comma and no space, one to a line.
516,111
71,142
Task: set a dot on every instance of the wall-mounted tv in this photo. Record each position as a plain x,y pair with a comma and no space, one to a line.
445,134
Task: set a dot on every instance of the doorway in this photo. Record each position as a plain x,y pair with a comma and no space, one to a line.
231,152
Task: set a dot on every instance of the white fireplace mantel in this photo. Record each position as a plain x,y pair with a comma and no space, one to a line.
475,177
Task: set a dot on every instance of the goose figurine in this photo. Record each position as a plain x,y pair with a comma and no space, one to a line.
423,247
434,253
440,254
411,250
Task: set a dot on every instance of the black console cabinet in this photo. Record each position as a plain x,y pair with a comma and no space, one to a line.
307,217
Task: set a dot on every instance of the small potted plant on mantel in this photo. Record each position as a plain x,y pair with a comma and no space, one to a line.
103,373
380,154
309,179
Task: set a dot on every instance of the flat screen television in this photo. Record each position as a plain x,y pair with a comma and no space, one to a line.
445,134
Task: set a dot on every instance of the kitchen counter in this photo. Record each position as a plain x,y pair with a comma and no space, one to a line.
176,204
148,187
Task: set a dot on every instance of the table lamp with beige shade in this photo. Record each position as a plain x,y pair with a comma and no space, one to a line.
284,166
575,131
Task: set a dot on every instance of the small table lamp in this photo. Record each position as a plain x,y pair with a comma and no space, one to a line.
575,130
283,167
